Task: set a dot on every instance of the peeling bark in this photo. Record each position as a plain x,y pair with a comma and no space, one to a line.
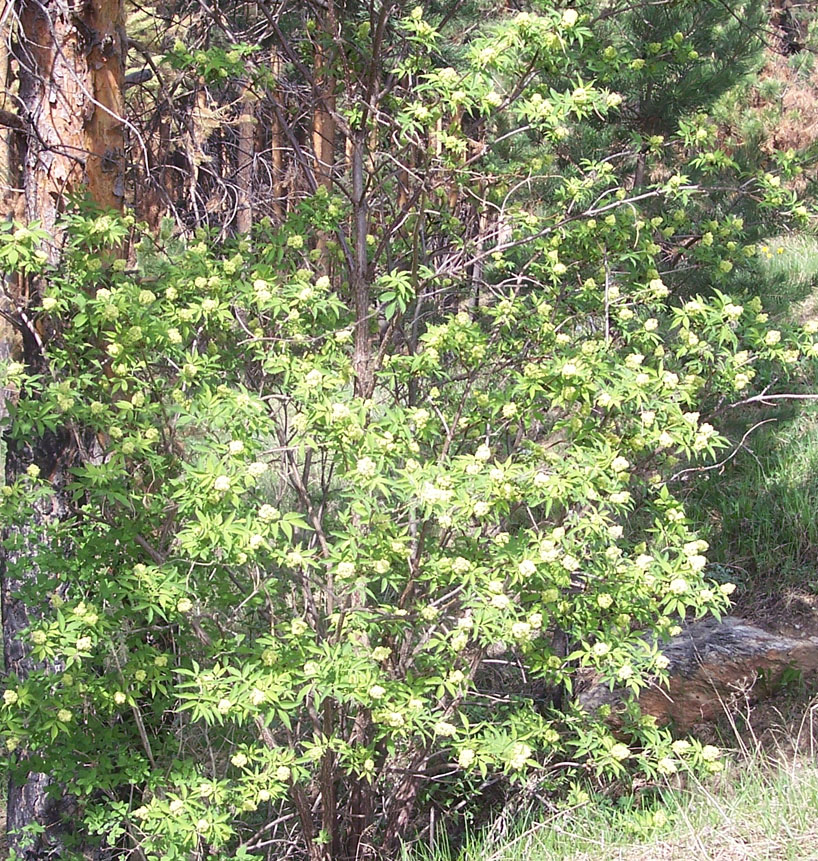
72,62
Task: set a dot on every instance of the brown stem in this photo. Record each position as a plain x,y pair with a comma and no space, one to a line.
329,803
246,153
362,356
277,143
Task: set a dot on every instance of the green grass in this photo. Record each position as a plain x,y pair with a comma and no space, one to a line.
790,276
756,809
759,513
784,276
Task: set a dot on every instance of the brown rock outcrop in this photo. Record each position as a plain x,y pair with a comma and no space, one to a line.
711,661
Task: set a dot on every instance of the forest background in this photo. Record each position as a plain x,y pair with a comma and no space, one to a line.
367,370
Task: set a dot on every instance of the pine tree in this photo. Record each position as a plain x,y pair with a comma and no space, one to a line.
70,63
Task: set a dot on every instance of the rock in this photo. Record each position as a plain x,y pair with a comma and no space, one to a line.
710,662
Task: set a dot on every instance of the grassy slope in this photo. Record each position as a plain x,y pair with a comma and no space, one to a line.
759,512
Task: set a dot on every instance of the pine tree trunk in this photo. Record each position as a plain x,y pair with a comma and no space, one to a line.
10,138
70,64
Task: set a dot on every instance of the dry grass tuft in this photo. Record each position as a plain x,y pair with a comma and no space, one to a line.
797,125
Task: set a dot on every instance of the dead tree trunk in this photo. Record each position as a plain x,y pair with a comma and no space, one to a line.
70,62
278,143
323,121
246,156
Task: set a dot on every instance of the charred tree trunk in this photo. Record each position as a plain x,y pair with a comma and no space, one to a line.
30,801
70,64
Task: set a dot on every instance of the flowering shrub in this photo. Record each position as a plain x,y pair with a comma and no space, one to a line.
281,588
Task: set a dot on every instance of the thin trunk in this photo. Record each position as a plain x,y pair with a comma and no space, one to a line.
11,140
323,124
361,804
329,799
152,204
70,66
246,157
277,145
362,357
639,174
323,134
195,141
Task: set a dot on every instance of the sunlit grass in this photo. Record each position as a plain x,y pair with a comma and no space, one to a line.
760,512
759,808
789,274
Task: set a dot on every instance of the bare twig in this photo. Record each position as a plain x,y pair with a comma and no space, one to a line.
764,398
729,457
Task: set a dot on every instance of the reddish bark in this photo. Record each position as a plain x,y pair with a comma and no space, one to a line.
70,64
